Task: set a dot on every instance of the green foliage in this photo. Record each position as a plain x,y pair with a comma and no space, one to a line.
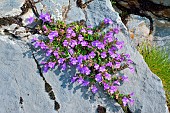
159,63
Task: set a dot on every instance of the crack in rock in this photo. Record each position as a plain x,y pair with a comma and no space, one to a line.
101,109
21,100
48,87
29,4
83,5
65,11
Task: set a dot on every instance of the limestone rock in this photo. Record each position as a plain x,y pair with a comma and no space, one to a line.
10,8
139,29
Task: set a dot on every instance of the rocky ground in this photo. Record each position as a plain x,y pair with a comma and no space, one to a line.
25,89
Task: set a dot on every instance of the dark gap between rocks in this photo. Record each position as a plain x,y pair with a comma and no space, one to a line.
48,87
142,9
101,109
21,100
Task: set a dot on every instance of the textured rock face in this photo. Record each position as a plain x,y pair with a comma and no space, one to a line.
26,89
10,8
139,29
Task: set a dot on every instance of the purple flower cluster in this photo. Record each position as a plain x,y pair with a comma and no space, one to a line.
96,58
45,17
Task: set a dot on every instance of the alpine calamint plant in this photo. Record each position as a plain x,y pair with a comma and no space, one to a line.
92,51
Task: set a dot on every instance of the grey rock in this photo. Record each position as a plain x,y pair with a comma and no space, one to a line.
162,34
22,89
10,8
163,42
161,2
139,29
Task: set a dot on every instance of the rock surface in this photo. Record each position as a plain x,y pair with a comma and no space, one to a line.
139,29
25,89
10,8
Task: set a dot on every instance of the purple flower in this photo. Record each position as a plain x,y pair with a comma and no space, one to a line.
83,30
68,36
84,43
85,57
45,17
103,55
131,101
106,86
116,30
113,89
52,34
102,69
119,45
69,30
56,54
113,55
63,67
80,38
61,60
43,63
45,28
108,21
90,32
48,53
127,56
98,77
110,39
132,70
86,70
96,66
108,76
129,61
125,100
109,64
65,43
43,46
80,80
85,83
80,59
37,44
117,82
125,78
89,26
51,64
73,34
113,48
100,46
92,54
34,39
71,51
73,43
73,79
73,61
45,68
118,64
30,20
94,89
94,43
132,94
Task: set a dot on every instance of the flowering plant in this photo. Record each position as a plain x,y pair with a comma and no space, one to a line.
92,51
